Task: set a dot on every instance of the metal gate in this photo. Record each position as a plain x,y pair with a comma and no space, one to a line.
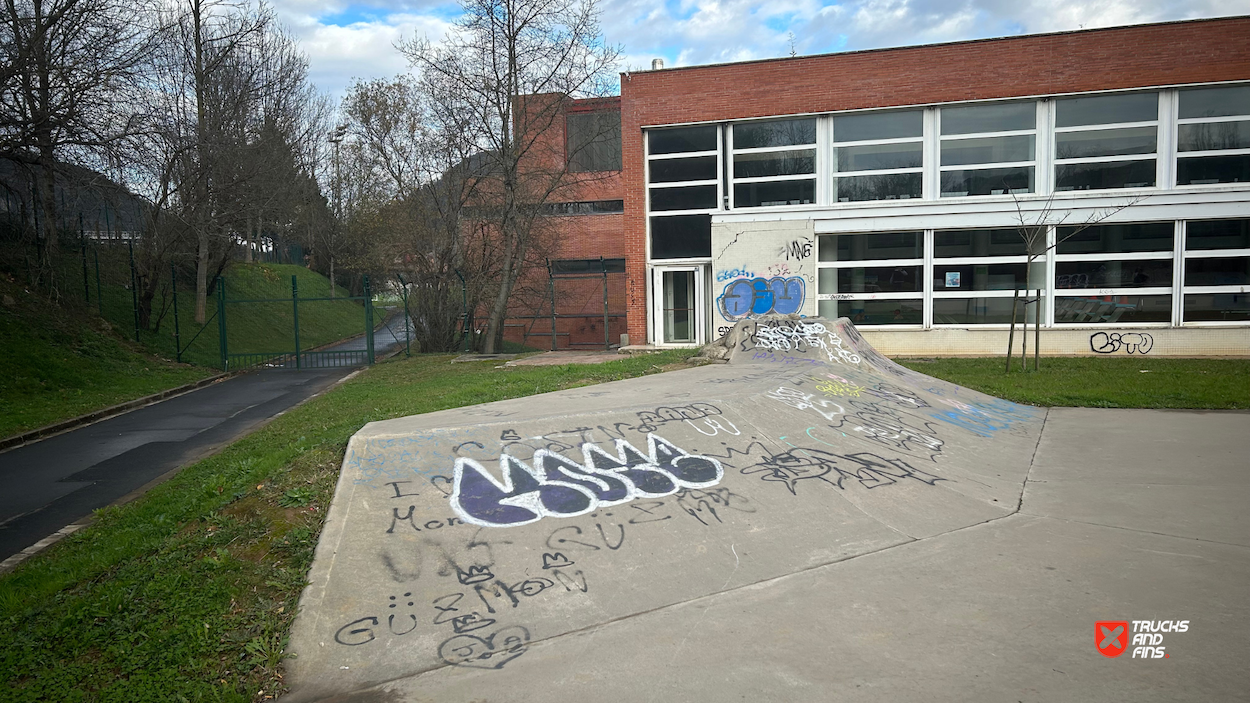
355,352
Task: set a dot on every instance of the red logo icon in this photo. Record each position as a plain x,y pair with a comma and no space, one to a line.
1111,637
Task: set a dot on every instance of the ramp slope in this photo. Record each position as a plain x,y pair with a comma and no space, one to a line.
462,538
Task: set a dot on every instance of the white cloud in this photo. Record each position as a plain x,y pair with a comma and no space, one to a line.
346,41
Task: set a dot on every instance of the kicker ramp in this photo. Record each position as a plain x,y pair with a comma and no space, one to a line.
465,538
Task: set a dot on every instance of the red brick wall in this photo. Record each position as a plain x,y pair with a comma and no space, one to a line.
577,237
1109,59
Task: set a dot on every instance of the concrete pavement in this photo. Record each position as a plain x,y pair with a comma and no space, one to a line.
802,523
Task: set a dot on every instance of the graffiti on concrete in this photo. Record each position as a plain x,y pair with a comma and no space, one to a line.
886,426
650,420
788,335
489,652
898,396
984,418
1112,342
769,357
744,298
871,470
553,485
835,386
799,400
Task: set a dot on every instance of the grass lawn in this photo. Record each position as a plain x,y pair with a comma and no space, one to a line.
188,593
1093,382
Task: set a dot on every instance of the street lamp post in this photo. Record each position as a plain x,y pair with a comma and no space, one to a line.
336,138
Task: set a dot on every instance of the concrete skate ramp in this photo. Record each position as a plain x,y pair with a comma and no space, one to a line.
466,538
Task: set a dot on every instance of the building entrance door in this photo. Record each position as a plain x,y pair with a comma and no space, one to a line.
680,307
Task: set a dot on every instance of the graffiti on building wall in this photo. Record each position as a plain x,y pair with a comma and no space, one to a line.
556,486
750,297
731,274
1129,342
796,250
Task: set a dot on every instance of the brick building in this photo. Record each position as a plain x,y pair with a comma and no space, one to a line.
893,187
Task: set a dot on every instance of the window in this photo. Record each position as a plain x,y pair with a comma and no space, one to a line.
683,188
976,273
874,279
1106,141
988,149
774,163
878,156
587,266
585,207
1217,271
594,141
1111,274
1213,136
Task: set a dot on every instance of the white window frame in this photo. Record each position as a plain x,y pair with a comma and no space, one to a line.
648,186
936,261
1184,288
814,176
920,295
1032,163
1180,122
920,140
1055,293
1162,113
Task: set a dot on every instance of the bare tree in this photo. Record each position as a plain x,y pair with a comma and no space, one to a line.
411,177
1033,230
68,72
505,70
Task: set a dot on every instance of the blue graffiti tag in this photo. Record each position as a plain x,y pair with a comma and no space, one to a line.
735,273
985,418
760,296
553,485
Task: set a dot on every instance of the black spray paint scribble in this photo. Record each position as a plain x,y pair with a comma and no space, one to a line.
871,470
486,652
650,420
1112,342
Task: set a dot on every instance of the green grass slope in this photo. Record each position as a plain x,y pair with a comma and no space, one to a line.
61,363
62,360
250,327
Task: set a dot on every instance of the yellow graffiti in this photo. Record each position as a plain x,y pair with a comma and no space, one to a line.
836,386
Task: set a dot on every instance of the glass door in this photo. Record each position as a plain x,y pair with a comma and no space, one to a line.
679,307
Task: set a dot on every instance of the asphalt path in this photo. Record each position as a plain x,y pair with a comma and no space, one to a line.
47,485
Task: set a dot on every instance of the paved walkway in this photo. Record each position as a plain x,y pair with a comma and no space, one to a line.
805,523
56,482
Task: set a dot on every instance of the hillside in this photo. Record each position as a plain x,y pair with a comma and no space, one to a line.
60,363
63,360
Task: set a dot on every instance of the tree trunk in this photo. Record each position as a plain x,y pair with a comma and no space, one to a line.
513,255
247,255
46,181
201,276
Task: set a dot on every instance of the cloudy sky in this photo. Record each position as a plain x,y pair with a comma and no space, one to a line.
346,40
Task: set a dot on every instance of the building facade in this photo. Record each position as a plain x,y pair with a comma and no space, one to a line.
915,190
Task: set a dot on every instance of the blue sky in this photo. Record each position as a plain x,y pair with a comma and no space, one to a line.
346,40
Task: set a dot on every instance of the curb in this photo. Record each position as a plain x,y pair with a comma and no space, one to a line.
91,417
